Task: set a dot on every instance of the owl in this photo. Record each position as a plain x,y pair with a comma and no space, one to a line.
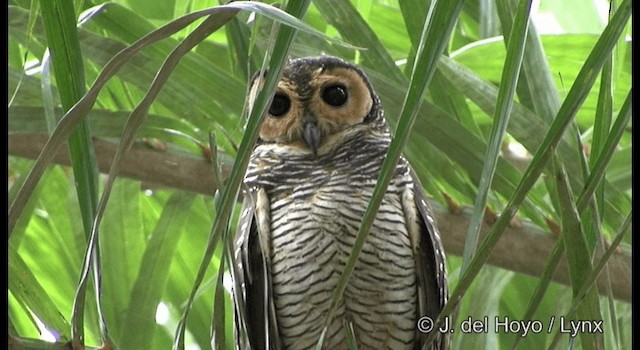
307,186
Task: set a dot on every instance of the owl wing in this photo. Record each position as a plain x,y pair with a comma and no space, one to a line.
254,311
430,265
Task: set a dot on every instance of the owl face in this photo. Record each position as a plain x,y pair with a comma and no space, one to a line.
316,97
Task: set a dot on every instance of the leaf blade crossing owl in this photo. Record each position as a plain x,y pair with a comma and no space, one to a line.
308,183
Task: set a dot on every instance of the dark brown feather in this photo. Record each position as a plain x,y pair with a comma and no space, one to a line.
429,260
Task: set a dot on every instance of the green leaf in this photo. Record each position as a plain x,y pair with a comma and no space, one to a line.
515,52
149,283
62,38
26,288
230,191
576,96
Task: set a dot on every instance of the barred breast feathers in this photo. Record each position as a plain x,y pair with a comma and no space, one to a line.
321,199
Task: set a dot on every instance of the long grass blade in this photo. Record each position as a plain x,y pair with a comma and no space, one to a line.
25,287
231,190
571,104
602,124
549,269
536,89
595,177
60,29
47,93
133,124
600,165
578,257
511,71
218,323
153,274
437,28
581,295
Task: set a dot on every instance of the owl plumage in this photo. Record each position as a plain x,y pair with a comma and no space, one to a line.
308,184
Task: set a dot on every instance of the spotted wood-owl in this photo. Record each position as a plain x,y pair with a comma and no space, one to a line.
308,184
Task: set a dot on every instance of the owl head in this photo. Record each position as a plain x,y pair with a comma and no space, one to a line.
316,98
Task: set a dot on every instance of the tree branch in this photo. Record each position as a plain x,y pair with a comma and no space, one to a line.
521,250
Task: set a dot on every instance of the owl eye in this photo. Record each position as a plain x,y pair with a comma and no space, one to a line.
280,105
335,95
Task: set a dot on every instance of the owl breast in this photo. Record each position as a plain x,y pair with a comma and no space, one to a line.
317,204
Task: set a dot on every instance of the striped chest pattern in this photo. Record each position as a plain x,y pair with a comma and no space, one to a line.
316,204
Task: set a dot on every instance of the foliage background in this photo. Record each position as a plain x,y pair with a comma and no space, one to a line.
153,234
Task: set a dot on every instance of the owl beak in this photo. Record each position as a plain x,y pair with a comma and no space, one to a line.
311,133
